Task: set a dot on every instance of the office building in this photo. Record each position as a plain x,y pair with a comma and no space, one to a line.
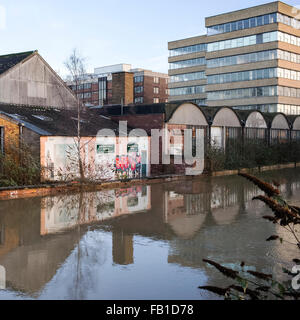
249,59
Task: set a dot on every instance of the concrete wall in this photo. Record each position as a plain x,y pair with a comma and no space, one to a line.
33,82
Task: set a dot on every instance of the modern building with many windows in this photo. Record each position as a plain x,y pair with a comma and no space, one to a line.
249,59
120,84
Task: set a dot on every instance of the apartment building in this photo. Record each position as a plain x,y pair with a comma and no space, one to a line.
249,59
121,84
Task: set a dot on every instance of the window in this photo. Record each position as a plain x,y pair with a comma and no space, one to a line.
139,89
139,100
87,95
156,90
253,22
87,86
1,140
187,90
156,100
156,80
167,92
138,79
241,93
188,76
105,148
187,63
102,84
188,49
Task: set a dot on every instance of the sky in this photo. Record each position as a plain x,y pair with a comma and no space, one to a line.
107,32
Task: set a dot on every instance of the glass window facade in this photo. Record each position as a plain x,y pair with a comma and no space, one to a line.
243,41
187,50
253,57
242,58
102,82
138,79
188,76
187,63
87,86
139,100
254,75
242,76
267,91
200,102
285,108
187,90
253,22
139,89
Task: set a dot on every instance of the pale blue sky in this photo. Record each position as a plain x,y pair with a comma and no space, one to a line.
107,32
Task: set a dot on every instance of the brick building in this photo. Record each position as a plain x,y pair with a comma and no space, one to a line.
120,84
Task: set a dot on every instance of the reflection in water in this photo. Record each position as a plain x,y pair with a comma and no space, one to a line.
144,242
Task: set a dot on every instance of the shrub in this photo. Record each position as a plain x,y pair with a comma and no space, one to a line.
19,167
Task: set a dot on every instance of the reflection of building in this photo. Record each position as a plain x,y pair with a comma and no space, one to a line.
64,212
122,248
40,242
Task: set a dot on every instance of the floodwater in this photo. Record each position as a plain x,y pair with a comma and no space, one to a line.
144,242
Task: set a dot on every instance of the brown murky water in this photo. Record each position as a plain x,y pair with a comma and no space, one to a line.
145,242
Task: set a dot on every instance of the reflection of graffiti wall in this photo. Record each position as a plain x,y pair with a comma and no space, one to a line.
2,278
103,157
64,212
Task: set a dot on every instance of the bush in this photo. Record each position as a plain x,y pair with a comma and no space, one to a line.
19,167
251,154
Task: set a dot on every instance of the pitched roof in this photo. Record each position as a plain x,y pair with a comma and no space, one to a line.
57,122
9,60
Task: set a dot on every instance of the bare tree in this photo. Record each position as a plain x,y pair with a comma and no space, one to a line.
75,64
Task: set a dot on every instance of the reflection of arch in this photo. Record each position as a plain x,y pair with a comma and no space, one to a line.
226,117
2,278
296,124
188,114
186,227
255,119
225,215
280,121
